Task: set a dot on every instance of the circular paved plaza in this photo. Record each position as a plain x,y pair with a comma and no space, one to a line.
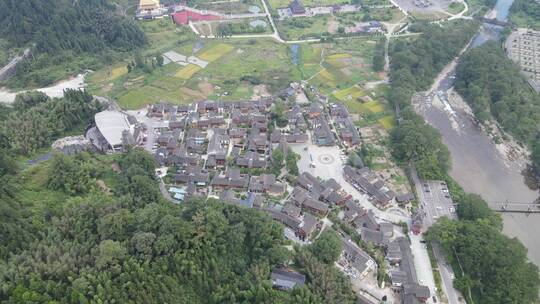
326,159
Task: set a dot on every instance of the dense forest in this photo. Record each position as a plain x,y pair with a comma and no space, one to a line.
496,267
65,36
526,13
65,240
413,66
493,85
35,120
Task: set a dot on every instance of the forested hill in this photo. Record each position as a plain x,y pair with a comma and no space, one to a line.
95,229
66,240
61,30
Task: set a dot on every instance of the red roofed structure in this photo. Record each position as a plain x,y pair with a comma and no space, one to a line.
185,16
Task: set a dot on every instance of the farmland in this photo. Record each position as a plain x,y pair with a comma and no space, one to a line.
236,70
338,65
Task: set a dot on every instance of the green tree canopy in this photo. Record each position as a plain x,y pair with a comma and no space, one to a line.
327,247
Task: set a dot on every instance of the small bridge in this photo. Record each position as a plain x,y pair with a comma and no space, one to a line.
492,21
508,207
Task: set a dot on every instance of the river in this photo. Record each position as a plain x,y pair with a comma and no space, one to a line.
479,165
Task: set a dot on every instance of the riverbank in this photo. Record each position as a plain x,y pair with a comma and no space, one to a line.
56,90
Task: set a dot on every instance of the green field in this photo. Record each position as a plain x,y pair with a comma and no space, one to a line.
304,27
236,66
455,7
229,7
388,122
351,93
345,63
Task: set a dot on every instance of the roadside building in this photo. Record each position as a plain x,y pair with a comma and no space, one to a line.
354,257
308,225
231,179
266,183
297,8
284,279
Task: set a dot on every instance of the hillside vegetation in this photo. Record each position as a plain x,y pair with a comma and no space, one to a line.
494,87
67,36
526,13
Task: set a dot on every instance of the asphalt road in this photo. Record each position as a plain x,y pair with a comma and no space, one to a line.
432,214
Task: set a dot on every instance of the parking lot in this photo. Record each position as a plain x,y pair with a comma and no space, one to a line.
436,201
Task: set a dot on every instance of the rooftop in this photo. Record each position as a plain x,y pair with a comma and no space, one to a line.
111,124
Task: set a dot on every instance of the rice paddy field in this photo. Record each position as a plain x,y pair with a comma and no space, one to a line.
188,71
338,66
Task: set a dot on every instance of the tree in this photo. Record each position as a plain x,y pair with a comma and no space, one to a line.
24,101
70,175
292,162
535,155
159,60
472,207
420,145
110,253
496,267
327,247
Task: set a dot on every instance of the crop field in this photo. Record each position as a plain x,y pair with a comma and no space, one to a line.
188,71
238,66
215,52
345,63
372,107
351,93
387,122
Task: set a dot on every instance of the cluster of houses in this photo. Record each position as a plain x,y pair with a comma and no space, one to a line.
353,260
297,9
398,252
368,182
216,146
310,198
224,150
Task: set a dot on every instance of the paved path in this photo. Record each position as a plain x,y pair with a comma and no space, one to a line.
275,34
165,193
447,275
422,264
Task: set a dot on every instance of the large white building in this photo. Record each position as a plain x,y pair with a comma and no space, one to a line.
113,130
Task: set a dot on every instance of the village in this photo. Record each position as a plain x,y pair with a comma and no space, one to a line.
294,160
